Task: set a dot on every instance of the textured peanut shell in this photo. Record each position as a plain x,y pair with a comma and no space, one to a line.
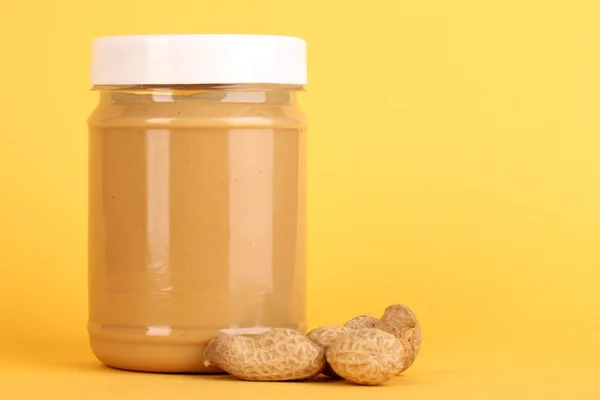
363,321
366,356
325,336
400,321
277,355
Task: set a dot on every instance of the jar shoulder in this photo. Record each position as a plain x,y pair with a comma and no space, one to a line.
197,115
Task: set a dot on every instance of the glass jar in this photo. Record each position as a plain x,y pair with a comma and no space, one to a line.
196,195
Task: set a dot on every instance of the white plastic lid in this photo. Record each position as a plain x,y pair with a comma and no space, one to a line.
198,59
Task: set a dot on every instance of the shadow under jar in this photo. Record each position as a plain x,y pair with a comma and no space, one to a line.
196,195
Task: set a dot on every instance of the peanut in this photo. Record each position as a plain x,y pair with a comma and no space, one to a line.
363,321
400,321
277,355
366,356
326,336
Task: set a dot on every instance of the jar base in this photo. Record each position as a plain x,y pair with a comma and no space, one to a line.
133,349
151,357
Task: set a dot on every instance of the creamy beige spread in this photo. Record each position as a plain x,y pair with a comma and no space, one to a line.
197,222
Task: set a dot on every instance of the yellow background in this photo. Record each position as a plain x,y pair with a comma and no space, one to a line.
453,166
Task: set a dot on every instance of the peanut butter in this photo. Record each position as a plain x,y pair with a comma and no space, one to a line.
196,220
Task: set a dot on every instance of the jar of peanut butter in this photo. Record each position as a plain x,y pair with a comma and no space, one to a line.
196,195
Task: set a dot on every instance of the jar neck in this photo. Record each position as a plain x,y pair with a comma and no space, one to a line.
238,93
